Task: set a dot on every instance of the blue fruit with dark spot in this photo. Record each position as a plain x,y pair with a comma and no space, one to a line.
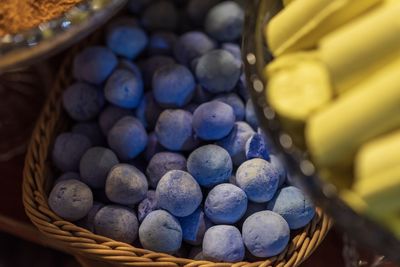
265,234
162,43
179,193
147,205
259,179
110,115
91,130
95,165
225,204
124,89
223,243
213,120
210,165
173,86
235,142
126,40
126,185
218,71
235,102
161,163
127,138
295,207
225,21
192,45
160,232
82,101
256,147
68,149
71,199
174,130
116,222
94,64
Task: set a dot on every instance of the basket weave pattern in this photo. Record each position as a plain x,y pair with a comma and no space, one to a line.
37,178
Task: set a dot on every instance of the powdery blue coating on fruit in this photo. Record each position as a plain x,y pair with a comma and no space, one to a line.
162,43
136,6
147,205
193,227
252,208
161,163
251,117
95,165
210,165
174,130
173,86
256,147
153,146
124,89
280,169
218,71
265,234
116,222
267,140
68,149
234,49
192,45
241,88
91,130
125,64
94,64
201,96
295,207
127,138
259,179
68,176
198,9
126,40
225,204
110,115
88,221
126,185
179,193
235,102
152,64
160,15
225,21
223,243
82,101
213,120
71,199
160,232
235,142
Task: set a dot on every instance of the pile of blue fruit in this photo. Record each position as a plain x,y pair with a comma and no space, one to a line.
165,151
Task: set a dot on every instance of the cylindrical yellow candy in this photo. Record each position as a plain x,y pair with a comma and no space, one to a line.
298,84
381,192
334,134
360,48
378,155
303,23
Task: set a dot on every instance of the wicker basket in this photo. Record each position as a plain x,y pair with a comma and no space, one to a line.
38,178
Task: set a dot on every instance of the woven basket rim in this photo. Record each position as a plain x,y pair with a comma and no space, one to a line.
82,241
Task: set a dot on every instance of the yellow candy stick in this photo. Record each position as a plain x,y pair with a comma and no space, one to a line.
298,84
334,134
378,155
301,24
362,47
381,192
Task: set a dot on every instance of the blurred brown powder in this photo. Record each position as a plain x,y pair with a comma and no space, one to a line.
19,15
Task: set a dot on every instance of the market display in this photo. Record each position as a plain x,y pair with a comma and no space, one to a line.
164,151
